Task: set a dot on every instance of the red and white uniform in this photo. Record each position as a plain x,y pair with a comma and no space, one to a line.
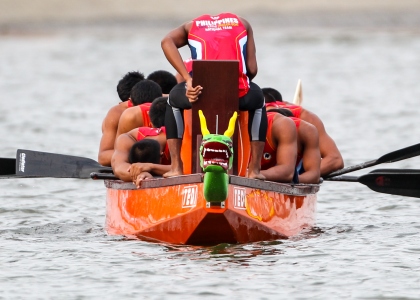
220,37
144,132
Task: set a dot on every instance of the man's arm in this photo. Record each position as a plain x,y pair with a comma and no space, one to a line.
130,119
109,131
311,155
284,134
175,39
155,169
251,59
119,162
331,156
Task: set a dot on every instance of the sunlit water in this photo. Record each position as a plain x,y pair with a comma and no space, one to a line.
55,90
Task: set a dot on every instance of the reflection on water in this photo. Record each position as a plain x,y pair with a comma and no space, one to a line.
55,90
240,254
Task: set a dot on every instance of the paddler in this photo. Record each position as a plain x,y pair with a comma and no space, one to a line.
110,122
165,79
142,95
220,37
331,159
277,159
131,168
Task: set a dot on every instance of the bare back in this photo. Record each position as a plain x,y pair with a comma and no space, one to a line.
109,132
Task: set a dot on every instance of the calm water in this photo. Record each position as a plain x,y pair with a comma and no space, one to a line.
55,90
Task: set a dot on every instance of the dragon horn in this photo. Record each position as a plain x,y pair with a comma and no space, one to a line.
231,128
204,130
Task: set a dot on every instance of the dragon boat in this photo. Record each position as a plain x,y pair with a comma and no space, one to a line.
213,202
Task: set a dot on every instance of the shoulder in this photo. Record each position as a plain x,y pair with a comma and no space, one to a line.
279,119
116,109
307,125
311,117
133,133
187,25
130,113
283,126
125,140
308,131
114,114
245,23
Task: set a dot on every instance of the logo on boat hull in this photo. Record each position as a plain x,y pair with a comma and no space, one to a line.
239,198
22,162
189,196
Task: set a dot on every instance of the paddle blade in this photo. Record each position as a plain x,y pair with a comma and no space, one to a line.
7,166
404,183
401,154
31,163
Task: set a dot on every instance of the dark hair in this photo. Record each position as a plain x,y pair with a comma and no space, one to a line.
165,79
126,84
271,95
284,111
145,151
157,111
145,91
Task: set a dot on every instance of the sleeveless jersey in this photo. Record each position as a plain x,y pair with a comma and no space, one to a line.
144,108
144,132
269,155
295,109
220,37
129,103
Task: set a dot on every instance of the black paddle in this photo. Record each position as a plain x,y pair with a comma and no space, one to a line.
394,156
31,163
404,182
7,166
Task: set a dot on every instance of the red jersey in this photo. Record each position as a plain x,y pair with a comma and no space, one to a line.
295,109
144,132
220,37
129,103
144,108
269,155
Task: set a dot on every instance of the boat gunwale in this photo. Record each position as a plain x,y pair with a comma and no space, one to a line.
284,188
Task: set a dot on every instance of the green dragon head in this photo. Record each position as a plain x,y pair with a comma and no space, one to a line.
216,150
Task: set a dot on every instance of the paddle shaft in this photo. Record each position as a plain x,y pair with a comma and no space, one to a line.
97,176
394,156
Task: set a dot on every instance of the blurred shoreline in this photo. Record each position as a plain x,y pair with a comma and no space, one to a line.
51,15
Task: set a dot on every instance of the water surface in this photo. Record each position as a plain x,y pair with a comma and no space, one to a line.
56,88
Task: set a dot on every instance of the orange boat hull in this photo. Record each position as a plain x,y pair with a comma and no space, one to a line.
174,210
